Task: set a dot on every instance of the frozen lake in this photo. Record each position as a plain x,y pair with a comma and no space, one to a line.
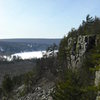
27,55
30,55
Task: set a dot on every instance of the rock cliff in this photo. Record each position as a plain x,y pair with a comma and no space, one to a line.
78,46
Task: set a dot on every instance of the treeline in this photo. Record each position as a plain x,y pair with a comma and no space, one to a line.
89,26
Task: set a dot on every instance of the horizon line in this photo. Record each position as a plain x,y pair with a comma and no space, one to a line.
27,38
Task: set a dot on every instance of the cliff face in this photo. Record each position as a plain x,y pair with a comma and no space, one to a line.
77,47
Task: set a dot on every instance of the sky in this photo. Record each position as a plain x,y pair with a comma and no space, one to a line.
43,18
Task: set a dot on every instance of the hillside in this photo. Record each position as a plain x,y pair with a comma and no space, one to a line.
79,55
73,74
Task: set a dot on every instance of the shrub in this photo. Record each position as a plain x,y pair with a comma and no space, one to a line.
7,84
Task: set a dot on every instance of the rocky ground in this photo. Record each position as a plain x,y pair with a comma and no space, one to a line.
41,91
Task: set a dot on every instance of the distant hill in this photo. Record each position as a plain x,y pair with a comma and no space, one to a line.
34,40
10,46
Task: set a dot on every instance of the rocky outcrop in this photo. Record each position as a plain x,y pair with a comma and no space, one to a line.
97,81
77,47
41,91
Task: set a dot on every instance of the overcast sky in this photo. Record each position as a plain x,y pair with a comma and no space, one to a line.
43,18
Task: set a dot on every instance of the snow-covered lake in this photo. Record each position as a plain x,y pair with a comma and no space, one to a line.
27,55
30,55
